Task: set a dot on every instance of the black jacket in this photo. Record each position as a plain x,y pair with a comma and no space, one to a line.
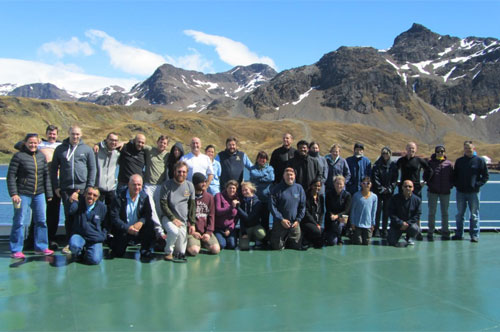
249,212
470,174
306,169
315,212
28,174
91,228
337,204
131,162
119,211
279,160
404,210
384,177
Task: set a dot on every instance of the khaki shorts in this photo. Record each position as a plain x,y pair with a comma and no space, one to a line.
192,241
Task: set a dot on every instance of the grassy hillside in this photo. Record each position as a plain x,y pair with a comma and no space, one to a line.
21,115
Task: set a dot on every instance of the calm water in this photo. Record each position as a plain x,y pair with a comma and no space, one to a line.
489,212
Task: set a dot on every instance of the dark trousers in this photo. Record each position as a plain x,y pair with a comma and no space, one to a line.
282,237
107,197
333,232
382,211
312,234
68,220
52,215
395,233
122,239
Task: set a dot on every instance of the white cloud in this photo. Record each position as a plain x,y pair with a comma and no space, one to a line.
22,72
61,48
194,61
230,51
129,59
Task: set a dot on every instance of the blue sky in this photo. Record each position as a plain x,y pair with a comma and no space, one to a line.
124,41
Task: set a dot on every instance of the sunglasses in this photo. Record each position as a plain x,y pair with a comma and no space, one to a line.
407,186
440,151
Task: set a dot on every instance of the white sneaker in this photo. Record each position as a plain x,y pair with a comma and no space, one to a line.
66,250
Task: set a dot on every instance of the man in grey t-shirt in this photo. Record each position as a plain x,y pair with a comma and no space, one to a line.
178,205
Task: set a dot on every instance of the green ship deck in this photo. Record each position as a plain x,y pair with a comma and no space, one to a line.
430,286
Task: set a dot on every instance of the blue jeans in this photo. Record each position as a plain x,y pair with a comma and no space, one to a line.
93,251
228,242
21,221
472,199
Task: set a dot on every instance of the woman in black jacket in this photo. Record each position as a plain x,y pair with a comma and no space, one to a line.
338,206
315,211
28,183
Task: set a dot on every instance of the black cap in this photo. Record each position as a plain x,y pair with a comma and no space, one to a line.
358,145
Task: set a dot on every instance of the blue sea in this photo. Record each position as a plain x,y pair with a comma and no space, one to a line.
489,213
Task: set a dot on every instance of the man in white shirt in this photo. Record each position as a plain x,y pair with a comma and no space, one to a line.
198,162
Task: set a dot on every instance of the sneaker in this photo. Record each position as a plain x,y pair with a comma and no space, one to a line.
376,233
169,257
18,255
410,242
419,237
66,250
474,239
445,237
456,238
430,237
45,252
383,233
146,253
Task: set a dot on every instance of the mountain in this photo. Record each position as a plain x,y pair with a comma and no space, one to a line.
425,83
186,90
41,91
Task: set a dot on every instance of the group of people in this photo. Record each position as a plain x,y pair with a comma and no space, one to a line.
123,193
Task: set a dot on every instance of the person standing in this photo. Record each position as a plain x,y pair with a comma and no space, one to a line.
28,183
288,207
72,170
178,204
384,181
281,157
214,187
155,174
405,211
107,161
232,162
175,154
336,166
306,167
363,212
411,166
89,232
323,165
439,187
469,175
198,162
132,160
359,167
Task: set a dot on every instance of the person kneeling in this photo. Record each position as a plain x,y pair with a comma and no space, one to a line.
250,214
202,233
363,212
88,232
405,211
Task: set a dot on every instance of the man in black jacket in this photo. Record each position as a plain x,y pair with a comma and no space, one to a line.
132,160
469,175
89,214
306,167
405,211
131,219
281,156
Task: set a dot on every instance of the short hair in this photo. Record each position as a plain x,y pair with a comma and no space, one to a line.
93,188
262,154
288,134
335,145
111,133
366,178
231,139
180,164
468,142
29,135
249,185
339,177
162,137
231,183
312,144
302,142
73,127
209,146
51,128
289,168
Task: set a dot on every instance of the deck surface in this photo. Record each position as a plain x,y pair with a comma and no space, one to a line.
430,286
